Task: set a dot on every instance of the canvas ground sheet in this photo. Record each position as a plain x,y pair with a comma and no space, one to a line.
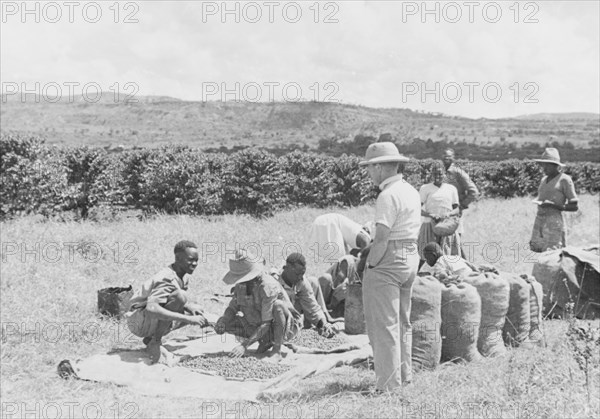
570,275
132,368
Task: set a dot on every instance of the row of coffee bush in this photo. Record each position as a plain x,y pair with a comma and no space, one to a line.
39,179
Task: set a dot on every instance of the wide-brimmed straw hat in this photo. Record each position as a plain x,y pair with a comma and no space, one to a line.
550,155
244,267
384,152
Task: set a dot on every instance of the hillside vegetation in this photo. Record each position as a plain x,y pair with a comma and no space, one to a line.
156,121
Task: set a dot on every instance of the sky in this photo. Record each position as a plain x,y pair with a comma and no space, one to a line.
465,58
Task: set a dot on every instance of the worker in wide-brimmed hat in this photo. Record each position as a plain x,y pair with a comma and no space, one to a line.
392,266
556,194
268,315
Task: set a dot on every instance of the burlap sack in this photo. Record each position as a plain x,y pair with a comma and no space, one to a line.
494,293
354,313
426,319
461,315
570,279
536,295
546,271
518,319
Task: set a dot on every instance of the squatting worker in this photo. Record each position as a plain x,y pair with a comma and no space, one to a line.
440,263
268,315
336,236
334,283
162,301
392,266
556,194
467,191
304,293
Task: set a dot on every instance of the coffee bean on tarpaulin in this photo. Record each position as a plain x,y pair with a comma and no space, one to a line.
310,338
236,368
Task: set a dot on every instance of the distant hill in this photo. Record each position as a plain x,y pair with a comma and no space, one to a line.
159,120
569,116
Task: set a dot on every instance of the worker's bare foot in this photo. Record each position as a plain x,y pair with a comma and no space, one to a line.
154,350
167,358
264,347
160,355
274,357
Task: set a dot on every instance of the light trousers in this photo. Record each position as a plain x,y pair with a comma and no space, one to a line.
387,292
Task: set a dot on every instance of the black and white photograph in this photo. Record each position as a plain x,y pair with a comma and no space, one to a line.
300,209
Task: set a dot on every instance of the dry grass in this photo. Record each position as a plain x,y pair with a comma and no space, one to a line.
48,312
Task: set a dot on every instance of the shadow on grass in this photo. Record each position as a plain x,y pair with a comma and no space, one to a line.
341,380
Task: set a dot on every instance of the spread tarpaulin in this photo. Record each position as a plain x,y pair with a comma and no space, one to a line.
570,275
132,368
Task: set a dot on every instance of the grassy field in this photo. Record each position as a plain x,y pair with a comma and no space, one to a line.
51,271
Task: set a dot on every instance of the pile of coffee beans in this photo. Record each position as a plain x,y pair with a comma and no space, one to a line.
245,368
310,338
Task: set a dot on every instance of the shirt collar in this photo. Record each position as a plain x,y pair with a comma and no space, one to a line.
182,281
285,286
389,181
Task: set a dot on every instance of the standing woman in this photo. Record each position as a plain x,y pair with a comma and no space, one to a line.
439,200
555,195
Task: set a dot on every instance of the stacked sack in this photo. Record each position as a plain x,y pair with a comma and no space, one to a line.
494,293
536,297
426,318
461,317
518,318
